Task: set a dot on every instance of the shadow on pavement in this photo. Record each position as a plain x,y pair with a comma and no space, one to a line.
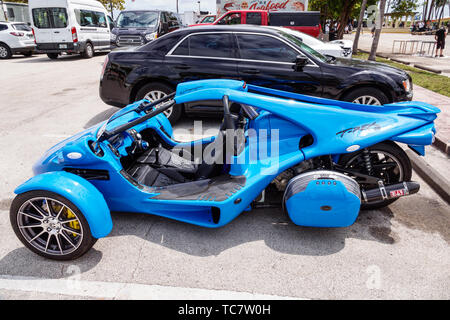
23,262
102,116
271,226
43,58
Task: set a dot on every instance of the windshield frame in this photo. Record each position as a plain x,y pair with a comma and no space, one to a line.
304,48
123,13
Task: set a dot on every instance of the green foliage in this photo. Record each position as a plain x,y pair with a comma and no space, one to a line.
403,7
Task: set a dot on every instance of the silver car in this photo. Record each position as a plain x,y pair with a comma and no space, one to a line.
16,38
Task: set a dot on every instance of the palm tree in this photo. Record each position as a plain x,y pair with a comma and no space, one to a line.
378,26
358,30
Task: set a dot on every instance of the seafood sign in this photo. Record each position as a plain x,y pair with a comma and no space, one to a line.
271,5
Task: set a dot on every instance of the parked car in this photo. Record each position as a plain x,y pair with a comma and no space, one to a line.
71,26
304,21
259,55
333,49
135,28
208,19
15,38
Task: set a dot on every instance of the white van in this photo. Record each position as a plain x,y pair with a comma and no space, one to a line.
72,26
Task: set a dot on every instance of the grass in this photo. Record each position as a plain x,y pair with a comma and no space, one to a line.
431,81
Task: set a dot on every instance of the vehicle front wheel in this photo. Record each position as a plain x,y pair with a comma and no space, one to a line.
88,51
155,91
5,52
53,56
370,96
50,225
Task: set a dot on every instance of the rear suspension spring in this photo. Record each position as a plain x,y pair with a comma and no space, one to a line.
367,161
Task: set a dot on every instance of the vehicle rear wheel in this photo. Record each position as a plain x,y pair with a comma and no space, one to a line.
5,51
88,51
155,91
50,225
28,53
388,162
370,96
53,56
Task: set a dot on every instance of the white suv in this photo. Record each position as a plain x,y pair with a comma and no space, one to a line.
16,38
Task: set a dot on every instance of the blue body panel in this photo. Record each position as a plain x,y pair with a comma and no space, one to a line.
78,191
336,127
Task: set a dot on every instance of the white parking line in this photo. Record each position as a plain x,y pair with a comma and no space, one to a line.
118,290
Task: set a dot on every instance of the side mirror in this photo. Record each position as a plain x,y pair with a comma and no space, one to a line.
300,62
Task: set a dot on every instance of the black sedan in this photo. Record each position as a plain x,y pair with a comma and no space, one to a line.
258,55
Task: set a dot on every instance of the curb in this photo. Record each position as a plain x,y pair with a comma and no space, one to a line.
436,181
441,144
418,66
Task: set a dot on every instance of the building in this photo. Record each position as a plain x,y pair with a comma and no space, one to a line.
14,12
271,5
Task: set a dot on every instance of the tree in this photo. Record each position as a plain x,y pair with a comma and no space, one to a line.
401,8
378,27
358,30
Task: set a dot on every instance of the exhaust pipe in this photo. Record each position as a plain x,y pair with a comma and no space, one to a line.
390,191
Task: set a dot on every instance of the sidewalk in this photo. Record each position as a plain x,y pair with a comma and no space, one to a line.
385,49
443,120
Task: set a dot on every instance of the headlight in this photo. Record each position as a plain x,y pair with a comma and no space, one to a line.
151,36
407,85
113,37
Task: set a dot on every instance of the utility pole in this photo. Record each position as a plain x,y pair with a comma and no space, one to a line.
198,7
111,7
358,29
177,6
3,9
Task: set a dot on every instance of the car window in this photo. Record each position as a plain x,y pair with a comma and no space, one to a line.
142,19
260,47
254,18
232,18
45,18
41,18
206,45
101,20
3,27
208,19
21,27
304,47
86,18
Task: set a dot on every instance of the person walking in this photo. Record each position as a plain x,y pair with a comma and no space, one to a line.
440,41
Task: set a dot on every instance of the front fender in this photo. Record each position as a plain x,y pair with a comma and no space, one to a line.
78,191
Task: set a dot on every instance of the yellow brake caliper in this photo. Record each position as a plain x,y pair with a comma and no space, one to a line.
73,224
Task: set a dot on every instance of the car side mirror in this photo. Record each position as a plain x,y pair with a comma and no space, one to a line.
300,62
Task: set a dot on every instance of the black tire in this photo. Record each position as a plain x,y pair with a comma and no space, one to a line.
176,110
53,56
88,51
83,246
28,54
389,148
356,94
5,51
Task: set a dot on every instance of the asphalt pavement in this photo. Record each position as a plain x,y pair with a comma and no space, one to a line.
398,252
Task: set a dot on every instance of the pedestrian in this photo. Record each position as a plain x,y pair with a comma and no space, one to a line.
440,41
373,30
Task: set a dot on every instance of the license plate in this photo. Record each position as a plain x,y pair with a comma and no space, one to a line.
63,46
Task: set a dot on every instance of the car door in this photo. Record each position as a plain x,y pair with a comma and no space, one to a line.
103,36
206,55
268,61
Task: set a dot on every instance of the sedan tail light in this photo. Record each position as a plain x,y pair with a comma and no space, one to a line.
74,35
17,34
104,67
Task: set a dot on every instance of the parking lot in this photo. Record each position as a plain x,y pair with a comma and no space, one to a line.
398,252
